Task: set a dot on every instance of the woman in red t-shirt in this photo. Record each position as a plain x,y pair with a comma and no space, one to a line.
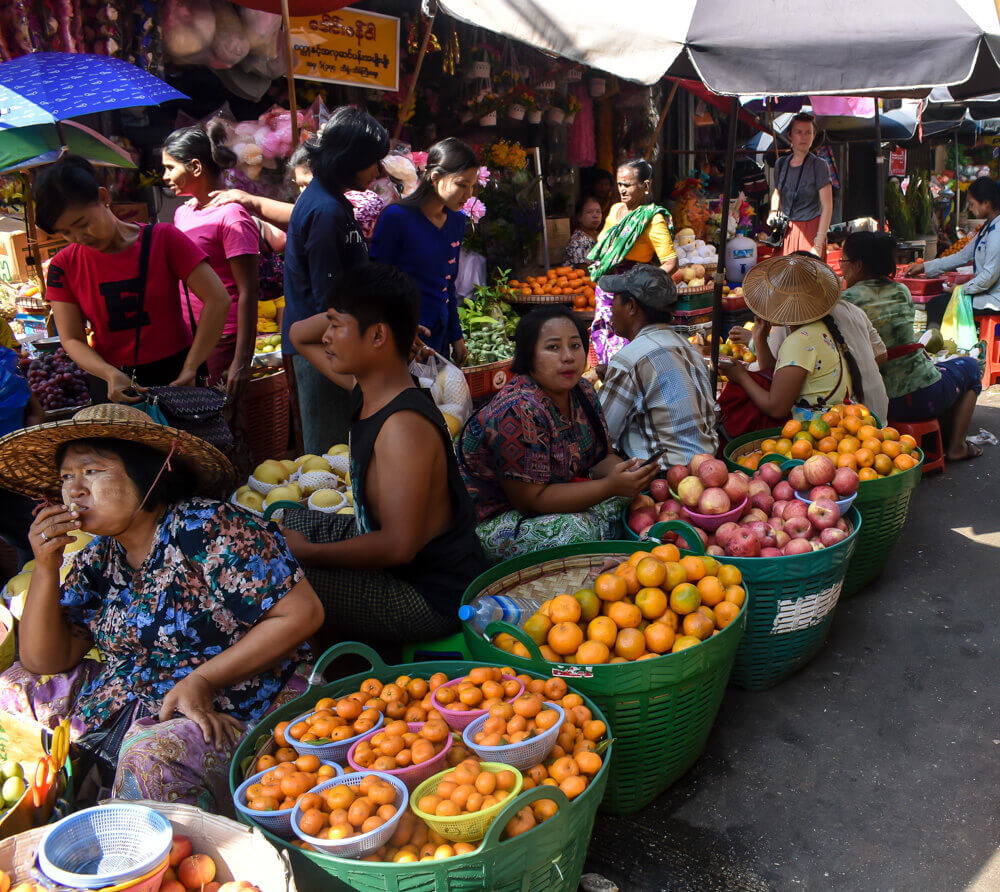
95,280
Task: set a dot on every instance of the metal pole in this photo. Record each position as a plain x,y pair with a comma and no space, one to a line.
541,207
290,71
958,191
879,169
720,270
663,117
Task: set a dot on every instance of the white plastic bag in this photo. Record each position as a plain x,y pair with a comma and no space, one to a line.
448,388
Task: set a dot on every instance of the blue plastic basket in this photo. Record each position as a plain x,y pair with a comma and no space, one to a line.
334,752
521,755
279,821
104,846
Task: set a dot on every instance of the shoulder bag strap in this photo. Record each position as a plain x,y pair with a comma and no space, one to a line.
145,247
798,183
187,299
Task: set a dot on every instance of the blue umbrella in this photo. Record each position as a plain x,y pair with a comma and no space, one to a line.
44,88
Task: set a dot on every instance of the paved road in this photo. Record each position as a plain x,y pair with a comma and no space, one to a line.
877,766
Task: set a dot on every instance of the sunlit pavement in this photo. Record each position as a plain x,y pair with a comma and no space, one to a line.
877,766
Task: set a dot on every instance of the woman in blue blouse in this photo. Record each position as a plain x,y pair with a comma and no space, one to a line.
422,235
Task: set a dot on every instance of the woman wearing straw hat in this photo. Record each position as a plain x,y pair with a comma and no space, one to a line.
197,611
813,368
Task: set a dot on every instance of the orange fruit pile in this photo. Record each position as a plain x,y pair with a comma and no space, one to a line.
344,811
286,783
482,688
654,603
515,722
849,436
562,280
466,789
396,746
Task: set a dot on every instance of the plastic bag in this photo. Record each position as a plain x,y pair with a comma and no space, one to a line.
448,388
14,392
958,324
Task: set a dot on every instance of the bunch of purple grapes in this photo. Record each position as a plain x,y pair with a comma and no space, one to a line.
57,381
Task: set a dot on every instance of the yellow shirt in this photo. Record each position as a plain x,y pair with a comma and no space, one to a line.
812,348
7,338
655,240
267,313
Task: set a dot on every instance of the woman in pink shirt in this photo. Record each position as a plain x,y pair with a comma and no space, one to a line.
193,161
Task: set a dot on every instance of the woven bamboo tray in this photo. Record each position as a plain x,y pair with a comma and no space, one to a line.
539,300
701,289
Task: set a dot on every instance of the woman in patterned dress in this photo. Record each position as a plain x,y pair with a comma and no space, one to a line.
196,611
536,459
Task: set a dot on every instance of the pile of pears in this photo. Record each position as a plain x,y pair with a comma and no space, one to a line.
279,474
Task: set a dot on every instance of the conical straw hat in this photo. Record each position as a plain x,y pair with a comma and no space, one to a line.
791,290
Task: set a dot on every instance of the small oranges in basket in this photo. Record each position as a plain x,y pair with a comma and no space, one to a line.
396,746
466,789
287,783
483,687
343,811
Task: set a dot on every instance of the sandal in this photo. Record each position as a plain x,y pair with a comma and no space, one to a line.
971,451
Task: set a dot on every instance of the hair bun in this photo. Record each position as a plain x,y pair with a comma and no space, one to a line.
223,156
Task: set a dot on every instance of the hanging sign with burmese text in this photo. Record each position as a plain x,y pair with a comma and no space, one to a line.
347,47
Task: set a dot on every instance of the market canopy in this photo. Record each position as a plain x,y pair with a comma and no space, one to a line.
774,47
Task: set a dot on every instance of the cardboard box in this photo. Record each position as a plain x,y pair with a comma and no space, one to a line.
239,852
21,741
559,233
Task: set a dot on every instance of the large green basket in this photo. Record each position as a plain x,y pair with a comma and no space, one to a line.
549,857
660,710
883,505
791,604
737,447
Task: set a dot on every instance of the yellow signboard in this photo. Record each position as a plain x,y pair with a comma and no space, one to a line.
347,47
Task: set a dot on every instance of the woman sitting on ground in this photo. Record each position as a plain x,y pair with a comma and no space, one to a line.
197,611
527,455
813,369
918,387
589,217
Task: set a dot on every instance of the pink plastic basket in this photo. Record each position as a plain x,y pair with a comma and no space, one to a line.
711,522
412,775
461,720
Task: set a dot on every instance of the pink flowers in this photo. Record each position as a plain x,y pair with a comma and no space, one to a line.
484,176
474,209
419,160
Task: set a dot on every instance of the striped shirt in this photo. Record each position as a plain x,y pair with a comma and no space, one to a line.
658,396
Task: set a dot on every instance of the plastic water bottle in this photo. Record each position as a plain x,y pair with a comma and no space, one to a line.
490,608
741,257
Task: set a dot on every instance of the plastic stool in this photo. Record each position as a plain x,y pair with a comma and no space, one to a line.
921,431
988,334
451,647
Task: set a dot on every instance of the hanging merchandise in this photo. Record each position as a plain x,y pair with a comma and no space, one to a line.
691,210
452,54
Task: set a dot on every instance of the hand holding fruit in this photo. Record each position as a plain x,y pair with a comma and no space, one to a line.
49,534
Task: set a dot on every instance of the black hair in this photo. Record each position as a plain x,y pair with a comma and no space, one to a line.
857,386
803,118
142,464
529,330
70,182
601,174
875,251
348,143
581,204
301,156
643,169
445,158
377,292
205,144
986,189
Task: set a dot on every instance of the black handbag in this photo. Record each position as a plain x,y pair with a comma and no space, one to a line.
196,410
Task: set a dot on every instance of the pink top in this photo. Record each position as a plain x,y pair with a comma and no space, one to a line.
222,233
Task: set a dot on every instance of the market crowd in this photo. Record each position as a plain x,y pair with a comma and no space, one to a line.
187,617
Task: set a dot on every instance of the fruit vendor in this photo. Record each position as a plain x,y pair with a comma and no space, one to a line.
918,388
588,216
635,231
99,280
537,458
657,396
395,571
422,235
197,611
813,369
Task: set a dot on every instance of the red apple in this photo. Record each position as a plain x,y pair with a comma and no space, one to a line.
743,544
180,848
778,508
757,486
690,490
676,474
763,501
795,508
699,460
776,523
641,520
737,487
831,536
823,492
797,479
763,531
846,481
783,491
819,470
781,539
715,550
642,501
770,473
713,500
824,514
659,489
754,514
724,533
713,473
798,527
671,505
798,546
842,525
769,551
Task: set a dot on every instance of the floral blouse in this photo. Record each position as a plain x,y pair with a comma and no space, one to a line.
213,572
577,248
521,435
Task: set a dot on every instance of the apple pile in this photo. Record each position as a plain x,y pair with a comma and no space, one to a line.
773,522
190,872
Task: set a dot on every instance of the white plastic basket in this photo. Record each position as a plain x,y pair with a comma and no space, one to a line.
279,821
521,755
334,752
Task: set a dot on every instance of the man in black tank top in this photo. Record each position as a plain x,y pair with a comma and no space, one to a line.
395,572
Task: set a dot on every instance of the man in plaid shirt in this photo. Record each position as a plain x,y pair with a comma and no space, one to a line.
657,394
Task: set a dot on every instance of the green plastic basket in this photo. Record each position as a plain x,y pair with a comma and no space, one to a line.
883,505
660,710
549,857
791,604
736,446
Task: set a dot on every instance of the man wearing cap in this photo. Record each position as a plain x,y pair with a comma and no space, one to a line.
657,396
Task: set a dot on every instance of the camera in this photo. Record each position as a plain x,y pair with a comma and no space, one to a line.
779,229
